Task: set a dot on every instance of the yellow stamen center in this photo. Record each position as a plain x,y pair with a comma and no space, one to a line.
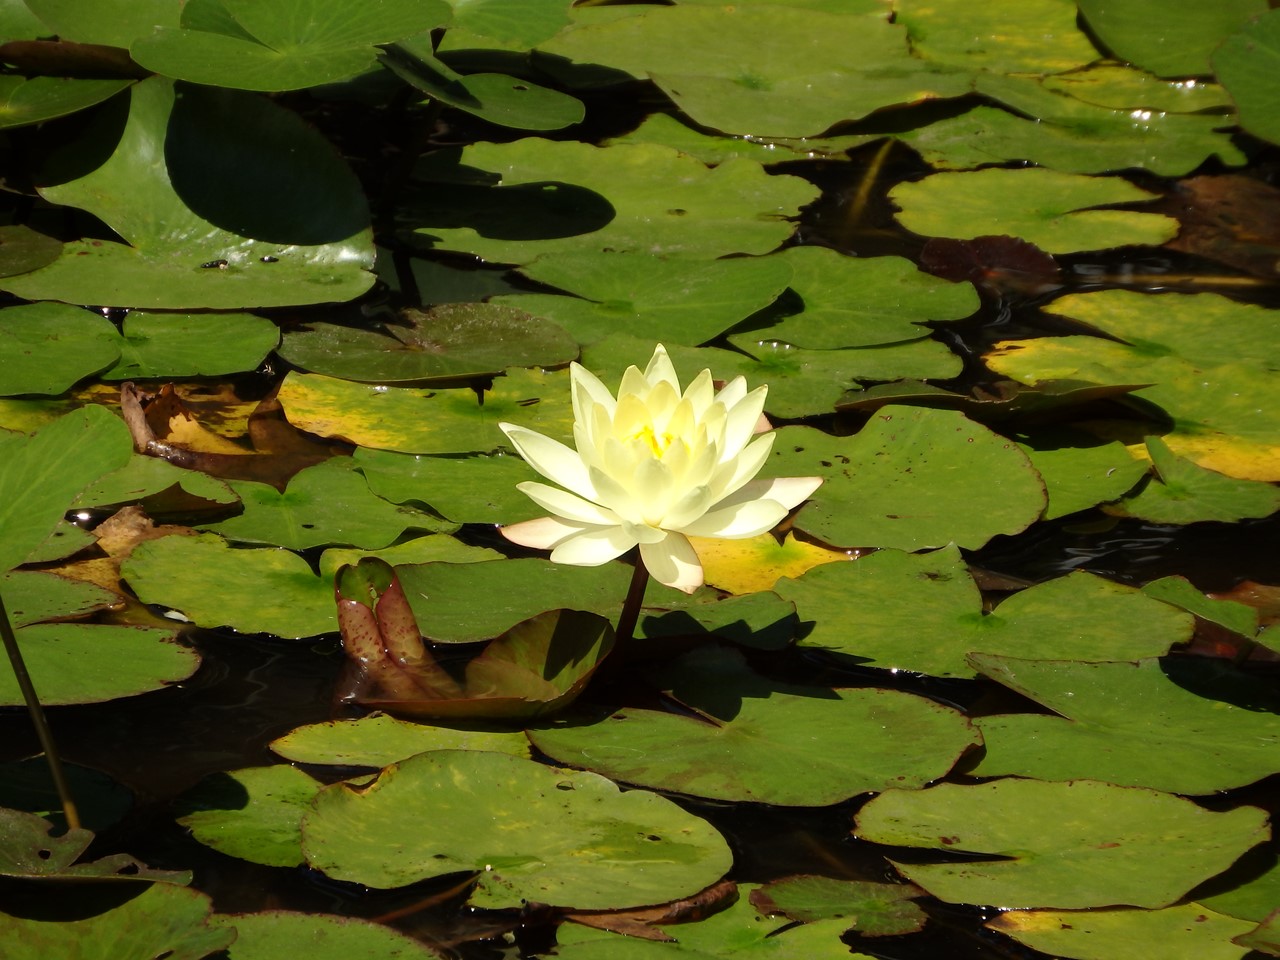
658,443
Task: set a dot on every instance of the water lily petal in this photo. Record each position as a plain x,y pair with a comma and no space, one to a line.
688,508
755,508
551,458
701,393
732,474
662,370
742,419
593,547
673,562
567,505
541,534
588,390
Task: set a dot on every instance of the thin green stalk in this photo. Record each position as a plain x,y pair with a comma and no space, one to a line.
631,606
34,708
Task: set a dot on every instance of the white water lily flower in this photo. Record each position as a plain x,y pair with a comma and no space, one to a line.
653,468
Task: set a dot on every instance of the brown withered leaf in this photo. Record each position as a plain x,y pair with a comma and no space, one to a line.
998,264
1233,219
644,922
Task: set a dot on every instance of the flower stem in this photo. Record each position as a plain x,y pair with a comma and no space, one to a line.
631,606
34,708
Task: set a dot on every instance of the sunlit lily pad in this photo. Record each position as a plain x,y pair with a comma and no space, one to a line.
379,740
873,909
1188,931
276,934
912,478
1050,209
755,740
557,197
283,46
1126,723
1006,36
91,663
448,342
1246,64
47,347
531,833
475,489
1207,358
329,503
1121,87
1168,41
746,566
1064,845
186,229
925,613
25,100
162,921
156,345
145,476
676,301
254,814
414,420
1182,492
1080,471
34,597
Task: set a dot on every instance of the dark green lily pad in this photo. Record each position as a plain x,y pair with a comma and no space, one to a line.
26,100
114,23
508,24
1079,470
873,909
145,476
329,503
477,489
41,475
91,663
530,832
676,301
187,228
254,813
275,934
163,921
34,597
28,851
924,613
1236,617
47,347
380,740
23,250
447,342
26,785
1182,492
163,345
756,740
1246,63
1125,723
912,478
1170,42
284,46
1050,209
559,197
1064,845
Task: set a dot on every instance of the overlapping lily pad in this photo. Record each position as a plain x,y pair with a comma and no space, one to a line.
1008,36
156,345
379,740
29,851
1125,723
1080,471
274,934
1186,36
26,100
1063,845
50,346
873,909
34,597
254,814
113,23
755,740
1055,211
918,477
530,833
925,613
469,489
1245,63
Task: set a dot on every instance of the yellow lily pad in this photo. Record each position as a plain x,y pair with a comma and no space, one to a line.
755,564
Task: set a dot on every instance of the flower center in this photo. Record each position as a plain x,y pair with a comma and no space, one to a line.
659,443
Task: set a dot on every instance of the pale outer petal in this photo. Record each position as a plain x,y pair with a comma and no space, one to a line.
593,547
551,458
755,508
567,505
672,561
541,534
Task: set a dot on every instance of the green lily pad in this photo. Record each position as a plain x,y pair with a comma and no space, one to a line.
1207,359
429,549
1188,931
274,934
669,131
380,740
27,100
187,228
163,921
1079,470
1120,87
873,909
676,301
862,301
1062,845
475,489
329,503
1125,723
1254,899
23,250
41,475
145,476
1050,209
34,597
1245,64
412,420
50,346
29,851
756,740
114,23
165,345
1168,42
91,663
761,621
250,590
924,613
284,46
919,478
254,813
1006,36
1236,617
447,342
511,24
764,69
1182,492
560,197
529,831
